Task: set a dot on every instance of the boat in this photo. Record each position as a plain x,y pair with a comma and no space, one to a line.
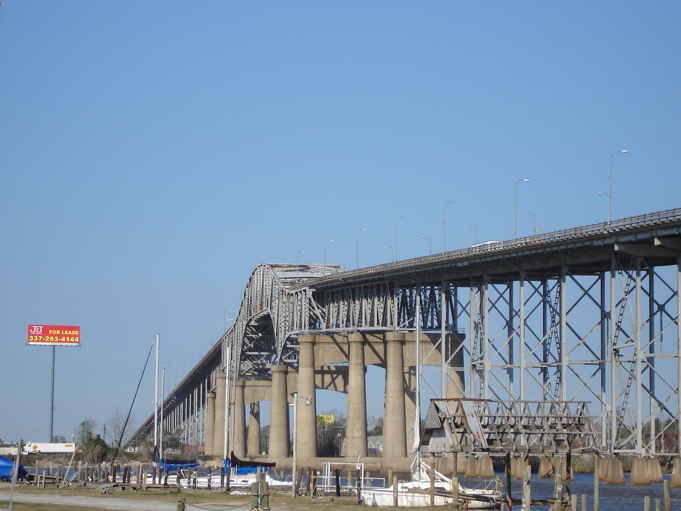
416,493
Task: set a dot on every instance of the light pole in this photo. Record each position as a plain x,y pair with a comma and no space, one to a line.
535,227
361,230
395,236
429,242
325,246
515,203
444,224
611,179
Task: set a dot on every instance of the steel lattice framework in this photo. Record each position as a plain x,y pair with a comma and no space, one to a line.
583,314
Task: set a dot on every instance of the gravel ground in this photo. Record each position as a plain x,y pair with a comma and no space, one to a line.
114,503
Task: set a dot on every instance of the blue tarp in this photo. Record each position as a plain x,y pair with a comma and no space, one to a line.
7,467
169,467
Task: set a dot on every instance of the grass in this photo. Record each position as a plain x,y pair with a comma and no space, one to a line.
277,500
44,507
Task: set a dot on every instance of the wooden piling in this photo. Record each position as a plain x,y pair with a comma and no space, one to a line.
396,495
584,502
666,496
646,503
431,490
573,503
527,493
455,492
597,486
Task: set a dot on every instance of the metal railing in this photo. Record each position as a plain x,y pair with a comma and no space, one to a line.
588,231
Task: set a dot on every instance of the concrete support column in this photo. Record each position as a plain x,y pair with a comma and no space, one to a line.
356,426
253,437
306,409
209,421
279,429
394,423
219,424
239,446
456,385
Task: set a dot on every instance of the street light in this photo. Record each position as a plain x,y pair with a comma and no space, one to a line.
515,203
444,224
611,179
429,242
395,236
361,230
325,245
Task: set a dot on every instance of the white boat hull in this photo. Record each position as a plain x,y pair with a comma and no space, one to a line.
412,494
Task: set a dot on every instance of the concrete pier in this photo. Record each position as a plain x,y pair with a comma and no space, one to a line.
239,433
306,409
219,424
253,438
394,424
208,448
356,425
279,427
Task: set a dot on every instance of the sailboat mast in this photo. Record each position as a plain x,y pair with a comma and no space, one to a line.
156,343
163,398
417,420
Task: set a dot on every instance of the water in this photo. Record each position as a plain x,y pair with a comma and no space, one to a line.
614,497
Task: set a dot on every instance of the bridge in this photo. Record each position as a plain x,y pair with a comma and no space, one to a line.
589,313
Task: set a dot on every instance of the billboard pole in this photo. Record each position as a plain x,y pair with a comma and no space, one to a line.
54,349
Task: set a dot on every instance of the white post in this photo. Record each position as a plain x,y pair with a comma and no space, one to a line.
156,343
638,361
613,357
522,335
163,398
417,419
483,336
472,367
443,337
295,443
563,335
227,402
678,352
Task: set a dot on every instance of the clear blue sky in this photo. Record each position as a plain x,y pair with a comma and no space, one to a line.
151,155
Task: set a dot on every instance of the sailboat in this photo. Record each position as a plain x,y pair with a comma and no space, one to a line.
416,493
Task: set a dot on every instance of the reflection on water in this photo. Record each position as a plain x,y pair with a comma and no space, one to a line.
614,497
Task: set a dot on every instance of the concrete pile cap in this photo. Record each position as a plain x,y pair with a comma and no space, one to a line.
645,471
485,466
519,467
471,467
615,471
676,473
545,467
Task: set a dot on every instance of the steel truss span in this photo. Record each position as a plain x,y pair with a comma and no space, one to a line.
584,314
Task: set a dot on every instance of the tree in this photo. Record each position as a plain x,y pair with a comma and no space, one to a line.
115,425
85,431
375,426
94,450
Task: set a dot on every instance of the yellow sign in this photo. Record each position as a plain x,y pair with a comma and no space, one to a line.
325,420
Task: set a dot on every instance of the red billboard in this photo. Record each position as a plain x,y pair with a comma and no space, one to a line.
53,335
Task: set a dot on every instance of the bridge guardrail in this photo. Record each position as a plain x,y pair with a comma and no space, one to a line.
601,228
